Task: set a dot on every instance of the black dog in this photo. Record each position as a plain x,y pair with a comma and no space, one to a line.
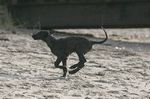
62,48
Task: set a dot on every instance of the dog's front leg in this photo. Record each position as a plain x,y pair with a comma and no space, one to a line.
61,67
64,62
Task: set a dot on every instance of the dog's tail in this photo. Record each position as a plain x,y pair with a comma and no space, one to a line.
100,42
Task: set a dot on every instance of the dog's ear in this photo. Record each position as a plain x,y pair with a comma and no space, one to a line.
42,33
47,33
35,32
51,31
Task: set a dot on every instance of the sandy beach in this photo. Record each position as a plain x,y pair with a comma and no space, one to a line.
118,69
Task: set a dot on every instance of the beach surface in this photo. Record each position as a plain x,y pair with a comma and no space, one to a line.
117,69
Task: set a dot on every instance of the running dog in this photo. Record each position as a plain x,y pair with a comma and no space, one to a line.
63,47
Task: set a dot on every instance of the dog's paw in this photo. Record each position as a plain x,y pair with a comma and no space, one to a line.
74,71
64,78
73,66
77,68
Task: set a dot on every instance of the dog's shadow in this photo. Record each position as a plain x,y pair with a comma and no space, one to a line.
55,78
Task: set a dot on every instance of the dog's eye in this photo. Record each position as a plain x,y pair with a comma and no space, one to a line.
34,33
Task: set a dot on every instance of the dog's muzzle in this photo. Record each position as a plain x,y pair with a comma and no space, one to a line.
34,37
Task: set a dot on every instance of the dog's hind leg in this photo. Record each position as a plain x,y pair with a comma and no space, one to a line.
79,65
74,66
61,67
82,60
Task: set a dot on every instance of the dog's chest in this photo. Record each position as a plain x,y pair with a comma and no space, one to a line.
58,50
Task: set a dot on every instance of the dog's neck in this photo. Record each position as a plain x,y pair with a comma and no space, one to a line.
50,41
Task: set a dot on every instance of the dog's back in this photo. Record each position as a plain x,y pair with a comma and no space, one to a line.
73,44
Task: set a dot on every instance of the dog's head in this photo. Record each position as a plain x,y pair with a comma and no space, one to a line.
40,35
